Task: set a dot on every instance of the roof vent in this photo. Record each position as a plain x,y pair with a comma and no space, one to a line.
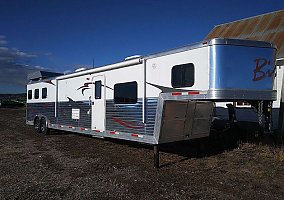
132,57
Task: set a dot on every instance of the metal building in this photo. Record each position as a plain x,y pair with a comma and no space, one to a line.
267,27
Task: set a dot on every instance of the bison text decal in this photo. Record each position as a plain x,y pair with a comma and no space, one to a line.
262,69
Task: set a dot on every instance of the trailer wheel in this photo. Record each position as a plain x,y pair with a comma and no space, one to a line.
37,125
43,126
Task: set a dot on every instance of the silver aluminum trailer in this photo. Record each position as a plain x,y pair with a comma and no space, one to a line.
160,98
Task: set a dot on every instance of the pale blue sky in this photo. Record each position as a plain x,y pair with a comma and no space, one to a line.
67,34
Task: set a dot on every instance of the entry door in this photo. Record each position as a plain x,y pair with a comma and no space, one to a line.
98,103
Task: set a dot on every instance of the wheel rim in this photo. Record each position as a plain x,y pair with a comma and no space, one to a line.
43,125
37,125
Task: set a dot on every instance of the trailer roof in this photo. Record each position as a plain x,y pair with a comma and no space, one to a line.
214,41
38,75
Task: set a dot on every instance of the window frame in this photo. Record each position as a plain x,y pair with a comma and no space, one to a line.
120,85
182,69
30,94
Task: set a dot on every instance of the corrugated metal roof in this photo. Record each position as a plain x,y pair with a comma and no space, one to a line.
267,27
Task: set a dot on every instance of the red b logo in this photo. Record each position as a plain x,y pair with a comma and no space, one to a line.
258,72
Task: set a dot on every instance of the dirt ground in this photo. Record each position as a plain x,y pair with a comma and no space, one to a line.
71,166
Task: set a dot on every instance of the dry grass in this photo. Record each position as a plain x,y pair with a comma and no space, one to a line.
280,154
70,166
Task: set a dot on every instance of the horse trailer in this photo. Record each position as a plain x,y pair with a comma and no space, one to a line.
160,98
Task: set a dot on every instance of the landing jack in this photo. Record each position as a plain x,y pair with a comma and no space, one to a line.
156,156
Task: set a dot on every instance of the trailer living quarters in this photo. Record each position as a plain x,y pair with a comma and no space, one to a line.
165,97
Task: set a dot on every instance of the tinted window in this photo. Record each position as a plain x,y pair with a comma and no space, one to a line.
44,93
125,93
36,93
98,89
183,75
30,95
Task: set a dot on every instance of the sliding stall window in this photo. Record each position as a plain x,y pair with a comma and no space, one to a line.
183,75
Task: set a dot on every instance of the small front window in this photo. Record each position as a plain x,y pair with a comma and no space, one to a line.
183,75
30,95
36,93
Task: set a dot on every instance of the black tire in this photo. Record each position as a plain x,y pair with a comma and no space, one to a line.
43,126
37,125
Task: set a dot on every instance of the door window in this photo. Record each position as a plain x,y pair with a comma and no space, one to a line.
98,89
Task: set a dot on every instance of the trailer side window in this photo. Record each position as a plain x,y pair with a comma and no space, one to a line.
125,93
98,89
183,75
44,93
36,93
30,95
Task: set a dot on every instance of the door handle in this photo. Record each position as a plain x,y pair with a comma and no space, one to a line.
90,101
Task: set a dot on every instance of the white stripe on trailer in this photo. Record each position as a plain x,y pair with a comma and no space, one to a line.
136,135
202,92
188,93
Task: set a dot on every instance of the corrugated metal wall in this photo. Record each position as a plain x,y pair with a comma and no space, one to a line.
268,27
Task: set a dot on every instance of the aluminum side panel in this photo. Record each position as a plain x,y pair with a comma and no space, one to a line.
128,117
124,117
151,107
64,113
41,109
